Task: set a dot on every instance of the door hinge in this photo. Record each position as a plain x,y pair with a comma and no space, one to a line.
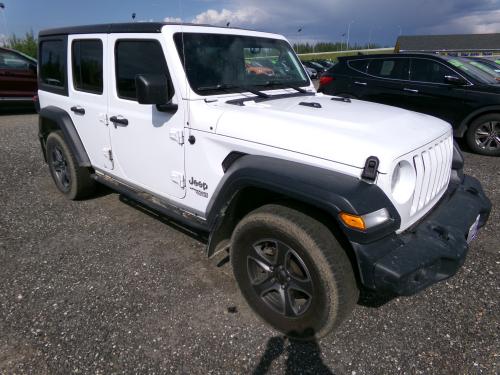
178,178
108,158
177,135
103,118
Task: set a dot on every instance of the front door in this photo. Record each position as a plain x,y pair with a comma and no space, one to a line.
147,143
427,91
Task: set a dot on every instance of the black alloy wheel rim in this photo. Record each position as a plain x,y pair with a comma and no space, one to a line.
280,278
488,136
60,167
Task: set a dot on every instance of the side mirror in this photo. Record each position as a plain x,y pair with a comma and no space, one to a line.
455,80
151,89
154,89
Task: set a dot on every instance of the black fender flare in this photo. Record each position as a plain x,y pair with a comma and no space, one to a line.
61,120
329,191
462,128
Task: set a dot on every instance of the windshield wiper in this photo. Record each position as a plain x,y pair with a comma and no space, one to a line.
284,85
227,88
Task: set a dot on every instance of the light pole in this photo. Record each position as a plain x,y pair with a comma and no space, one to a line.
400,30
348,34
298,42
3,41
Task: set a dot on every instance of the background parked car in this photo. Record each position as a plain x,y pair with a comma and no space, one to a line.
326,63
491,63
316,66
447,87
257,68
313,73
18,78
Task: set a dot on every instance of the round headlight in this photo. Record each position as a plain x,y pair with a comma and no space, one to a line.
403,181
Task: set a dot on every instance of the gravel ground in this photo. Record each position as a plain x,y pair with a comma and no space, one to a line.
101,287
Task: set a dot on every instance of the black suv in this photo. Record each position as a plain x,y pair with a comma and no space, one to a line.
450,88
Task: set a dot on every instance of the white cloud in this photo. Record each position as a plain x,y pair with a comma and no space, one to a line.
379,21
172,19
240,17
482,22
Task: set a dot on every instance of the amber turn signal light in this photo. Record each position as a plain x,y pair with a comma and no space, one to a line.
353,221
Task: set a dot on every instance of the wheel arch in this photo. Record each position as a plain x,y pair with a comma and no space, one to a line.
53,118
464,125
253,181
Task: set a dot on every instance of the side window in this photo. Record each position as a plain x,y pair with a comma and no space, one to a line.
423,70
11,61
359,65
389,68
87,65
133,57
52,63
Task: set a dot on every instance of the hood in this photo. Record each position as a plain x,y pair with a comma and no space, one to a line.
341,132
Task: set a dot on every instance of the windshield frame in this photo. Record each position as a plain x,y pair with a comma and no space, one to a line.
241,86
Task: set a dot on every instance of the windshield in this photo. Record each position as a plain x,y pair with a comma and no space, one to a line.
216,63
476,70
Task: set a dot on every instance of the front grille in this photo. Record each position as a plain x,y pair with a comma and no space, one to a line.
433,167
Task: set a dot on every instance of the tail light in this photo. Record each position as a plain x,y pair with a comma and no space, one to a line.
325,80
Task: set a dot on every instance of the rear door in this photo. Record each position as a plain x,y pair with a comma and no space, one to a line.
17,76
148,145
384,81
427,92
88,92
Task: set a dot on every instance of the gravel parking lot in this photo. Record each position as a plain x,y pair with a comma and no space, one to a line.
103,287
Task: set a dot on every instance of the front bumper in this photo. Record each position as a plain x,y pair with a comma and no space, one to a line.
431,251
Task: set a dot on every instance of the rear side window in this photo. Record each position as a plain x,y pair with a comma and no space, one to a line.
359,65
423,70
87,65
389,68
135,57
52,63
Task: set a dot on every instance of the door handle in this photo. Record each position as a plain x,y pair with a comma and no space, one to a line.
411,90
361,83
78,109
118,120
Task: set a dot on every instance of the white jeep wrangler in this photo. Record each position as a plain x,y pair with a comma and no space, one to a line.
220,129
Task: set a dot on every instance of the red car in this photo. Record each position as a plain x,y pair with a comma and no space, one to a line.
18,78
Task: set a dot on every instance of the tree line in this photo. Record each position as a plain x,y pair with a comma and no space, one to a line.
330,47
26,44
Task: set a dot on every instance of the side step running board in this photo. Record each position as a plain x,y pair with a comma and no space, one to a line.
151,202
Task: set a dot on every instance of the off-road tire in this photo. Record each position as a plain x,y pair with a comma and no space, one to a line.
333,281
72,180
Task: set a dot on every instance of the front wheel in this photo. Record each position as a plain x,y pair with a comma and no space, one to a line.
483,135
293,272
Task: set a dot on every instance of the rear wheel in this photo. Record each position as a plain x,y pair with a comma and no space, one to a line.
72,180
293,272
483,135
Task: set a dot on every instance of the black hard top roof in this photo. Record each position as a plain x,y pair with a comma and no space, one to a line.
108,28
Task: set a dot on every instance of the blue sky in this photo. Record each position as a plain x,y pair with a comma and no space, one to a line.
321,20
